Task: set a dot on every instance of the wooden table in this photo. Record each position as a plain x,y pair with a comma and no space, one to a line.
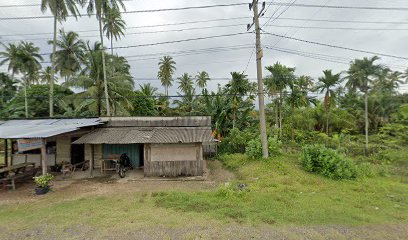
105,166
15,168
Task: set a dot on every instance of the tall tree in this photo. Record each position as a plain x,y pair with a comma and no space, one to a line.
60,9
276,83
8,88
30,58
201,79
10,56
101,7
148,90
113,25
361,74
69,54
167,67
326,84
46,77
120,81
185,83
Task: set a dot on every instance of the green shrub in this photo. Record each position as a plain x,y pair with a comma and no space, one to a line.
236,141
328,162
254,147
234,161
43,180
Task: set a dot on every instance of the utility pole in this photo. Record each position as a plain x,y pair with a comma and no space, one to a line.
259,54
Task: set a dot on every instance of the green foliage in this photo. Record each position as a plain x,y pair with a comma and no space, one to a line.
328,162
234,161
236,141
254,147
143,105
38,102
43,180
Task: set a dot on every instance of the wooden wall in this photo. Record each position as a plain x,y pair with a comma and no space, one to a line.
173,160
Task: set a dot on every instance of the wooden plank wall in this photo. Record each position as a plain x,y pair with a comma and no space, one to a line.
157,168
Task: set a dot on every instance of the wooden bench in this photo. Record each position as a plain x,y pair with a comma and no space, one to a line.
106,163
10,181
70,168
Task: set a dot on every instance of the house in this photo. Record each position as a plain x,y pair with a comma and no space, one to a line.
162,146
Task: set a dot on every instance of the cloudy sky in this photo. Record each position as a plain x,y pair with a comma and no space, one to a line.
233,53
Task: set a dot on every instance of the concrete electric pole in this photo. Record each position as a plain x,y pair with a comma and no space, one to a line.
259,54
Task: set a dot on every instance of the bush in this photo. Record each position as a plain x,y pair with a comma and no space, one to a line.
254,147
328,162
43,180
236,141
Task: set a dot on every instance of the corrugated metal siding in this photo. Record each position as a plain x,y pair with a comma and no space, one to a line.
44,128
199,121
132,150
147,135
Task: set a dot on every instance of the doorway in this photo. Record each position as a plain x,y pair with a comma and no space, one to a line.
77,152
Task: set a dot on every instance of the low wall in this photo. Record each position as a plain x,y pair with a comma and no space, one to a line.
173,160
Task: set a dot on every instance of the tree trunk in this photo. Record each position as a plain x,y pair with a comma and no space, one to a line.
105,81
276,114
280,116
111,42
25,99
327,121
366,120
54,48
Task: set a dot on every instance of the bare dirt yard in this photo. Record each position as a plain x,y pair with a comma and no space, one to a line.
108,208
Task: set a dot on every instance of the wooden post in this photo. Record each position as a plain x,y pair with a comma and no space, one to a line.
92,161
6,152
44,156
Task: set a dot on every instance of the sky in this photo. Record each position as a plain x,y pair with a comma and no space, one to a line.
387,38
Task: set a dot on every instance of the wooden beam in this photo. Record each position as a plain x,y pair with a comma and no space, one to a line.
92,161
44,156
6,152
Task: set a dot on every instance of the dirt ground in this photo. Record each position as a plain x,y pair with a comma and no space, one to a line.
72,189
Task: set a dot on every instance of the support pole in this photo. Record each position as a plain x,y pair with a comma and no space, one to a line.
92,161
6,152
44,156
259,55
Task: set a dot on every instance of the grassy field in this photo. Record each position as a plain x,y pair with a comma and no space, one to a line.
277,195
279,192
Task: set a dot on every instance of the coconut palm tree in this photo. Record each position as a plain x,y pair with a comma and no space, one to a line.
361,74
113,25
185,83
279,79
148,90
10,56
29,57
45,75
60,9
201,79
326,84
101,7
69,54
167,67
120,82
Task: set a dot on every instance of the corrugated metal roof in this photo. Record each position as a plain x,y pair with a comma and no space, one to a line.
43,128
130,135
193,121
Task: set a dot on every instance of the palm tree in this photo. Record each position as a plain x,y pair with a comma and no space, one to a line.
238,87
361,74
45,76
101,7
10,55
60,9
113,25
185,83
201,79
29,57
69,55
186,103
166,70
120,82
279,79
148,90
326,84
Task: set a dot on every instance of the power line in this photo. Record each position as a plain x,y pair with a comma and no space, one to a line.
340,28
138,27
334,46
138,33
343,7
139,11
342,21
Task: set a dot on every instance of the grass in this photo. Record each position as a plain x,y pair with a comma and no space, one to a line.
280,192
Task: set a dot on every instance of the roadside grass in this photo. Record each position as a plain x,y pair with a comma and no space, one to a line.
279,191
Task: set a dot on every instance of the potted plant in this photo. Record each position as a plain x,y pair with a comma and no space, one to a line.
42,183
